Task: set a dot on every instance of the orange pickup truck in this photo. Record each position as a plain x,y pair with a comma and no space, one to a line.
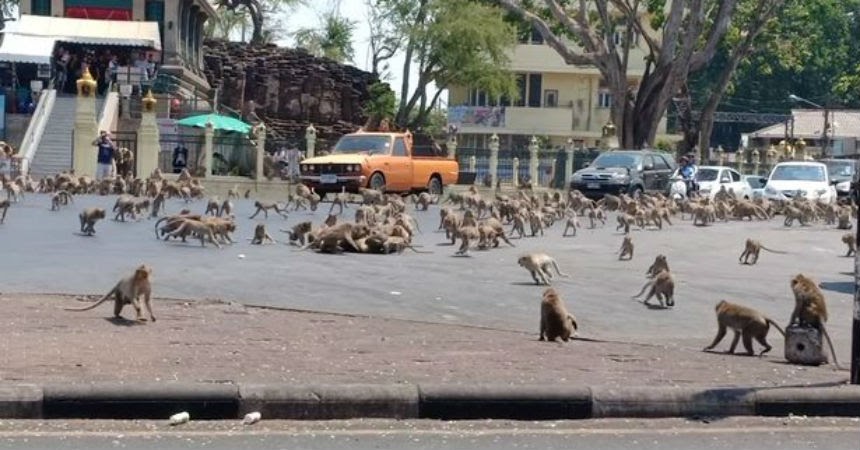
379,160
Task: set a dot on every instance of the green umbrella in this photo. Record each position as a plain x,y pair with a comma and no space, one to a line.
219,122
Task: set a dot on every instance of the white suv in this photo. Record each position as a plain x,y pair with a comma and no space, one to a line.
799,178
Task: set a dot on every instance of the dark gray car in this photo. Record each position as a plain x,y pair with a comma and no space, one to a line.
625,171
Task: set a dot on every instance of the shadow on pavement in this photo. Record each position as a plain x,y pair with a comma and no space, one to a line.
845,287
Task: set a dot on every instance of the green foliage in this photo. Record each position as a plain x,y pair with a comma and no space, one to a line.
261,15
383,102
333,39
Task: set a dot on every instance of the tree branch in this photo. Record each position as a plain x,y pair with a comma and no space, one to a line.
718,30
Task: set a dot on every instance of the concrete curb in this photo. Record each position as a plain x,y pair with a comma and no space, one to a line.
209,401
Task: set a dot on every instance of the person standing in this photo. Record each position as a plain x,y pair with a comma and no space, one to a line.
180,158
105,157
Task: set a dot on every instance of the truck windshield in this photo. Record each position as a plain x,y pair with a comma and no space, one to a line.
372,145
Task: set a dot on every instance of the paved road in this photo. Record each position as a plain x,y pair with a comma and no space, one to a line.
745,433
43,254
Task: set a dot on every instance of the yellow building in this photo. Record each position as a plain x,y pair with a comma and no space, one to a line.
556,101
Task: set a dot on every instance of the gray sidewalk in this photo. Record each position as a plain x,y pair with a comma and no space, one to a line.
220,360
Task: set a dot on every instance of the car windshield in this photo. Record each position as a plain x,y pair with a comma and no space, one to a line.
372,145
617,160
707,174
754,182
841,169
798,173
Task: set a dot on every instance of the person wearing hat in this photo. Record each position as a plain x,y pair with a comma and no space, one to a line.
688,170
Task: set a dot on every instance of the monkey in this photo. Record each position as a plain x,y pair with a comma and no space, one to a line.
173,222
89,217
371,196
572,222
203,230
157,205
705,214
519,226
299,232
424,200
536,223
443,212
124,205
662,286
313,199
538,264
226,209
626,248
14,192
398,244
793,213
248,194
331,220
213,206
596,214
660,263
128,291
844,219
555,320
60,198
753,248
851,242
810,308
468,235
624,221
261,236
4,205
336,238
233,192
266,206
341,200
745,322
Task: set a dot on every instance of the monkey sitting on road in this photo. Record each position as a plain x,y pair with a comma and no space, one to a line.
538,265
851,242
89,217
128,292
663,286
555,321
299,232
266,206
810,308
753,248
626,248
261,236
745,322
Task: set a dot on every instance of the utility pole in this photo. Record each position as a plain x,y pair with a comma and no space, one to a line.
826,144
855,329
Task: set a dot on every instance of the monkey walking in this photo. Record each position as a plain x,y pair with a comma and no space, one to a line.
810,308
89,217
753,248
261,236
744,322
849,240
60,198
663,286
626,248
265,207
538,265
572,222
660,264
555,320
128,292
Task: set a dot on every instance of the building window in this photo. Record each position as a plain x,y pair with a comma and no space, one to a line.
535,90
521,90
529,35
154,12
604,99
41,8
619,35
550,98
537,38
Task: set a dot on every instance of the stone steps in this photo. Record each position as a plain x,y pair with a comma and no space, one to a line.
54,151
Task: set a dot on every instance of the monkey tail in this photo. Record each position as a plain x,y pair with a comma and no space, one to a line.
776,325
647,283
555,264
773,251
830,344
88,307
157,223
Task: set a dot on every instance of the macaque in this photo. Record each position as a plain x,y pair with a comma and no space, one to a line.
89,217
128,291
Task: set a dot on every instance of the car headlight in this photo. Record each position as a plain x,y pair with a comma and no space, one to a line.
310,167
770,190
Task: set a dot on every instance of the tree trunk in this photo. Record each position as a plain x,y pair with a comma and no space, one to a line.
257,21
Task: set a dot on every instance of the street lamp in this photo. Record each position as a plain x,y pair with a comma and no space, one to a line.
826,142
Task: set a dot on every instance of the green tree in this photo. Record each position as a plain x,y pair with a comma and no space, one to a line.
383,102
680,37
260,13
332,40
450,42
228,23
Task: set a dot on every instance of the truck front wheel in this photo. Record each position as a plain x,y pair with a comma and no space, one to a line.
377,181
434,186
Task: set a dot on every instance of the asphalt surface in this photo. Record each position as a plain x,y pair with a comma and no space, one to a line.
42,253
735,433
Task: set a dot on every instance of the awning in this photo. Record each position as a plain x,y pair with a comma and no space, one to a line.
91,31
18,48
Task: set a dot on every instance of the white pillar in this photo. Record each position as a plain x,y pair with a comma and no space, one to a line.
515,166
208,147
148,139
86,127
311,140
260,135
533,161
568,164
494,159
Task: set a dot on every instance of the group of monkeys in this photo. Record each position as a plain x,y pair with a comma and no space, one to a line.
382,225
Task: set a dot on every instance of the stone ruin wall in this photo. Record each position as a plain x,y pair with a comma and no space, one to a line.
290,88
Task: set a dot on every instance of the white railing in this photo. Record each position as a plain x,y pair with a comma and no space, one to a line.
36,128
110,112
